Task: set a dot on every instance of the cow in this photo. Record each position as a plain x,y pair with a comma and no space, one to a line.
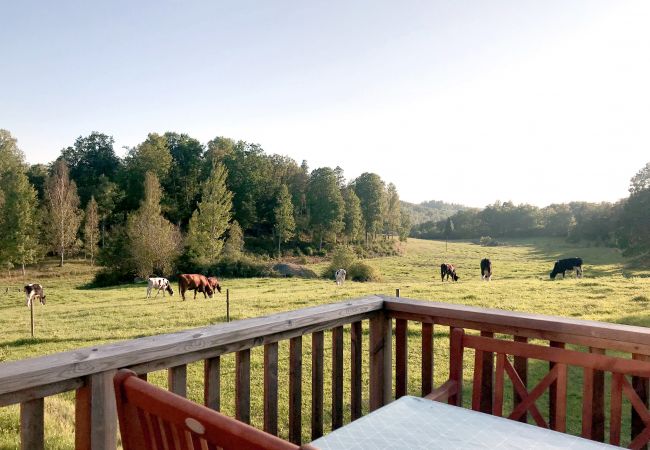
194,282
339,275
160,284
562,265
448,270
32,291
486,269
214,284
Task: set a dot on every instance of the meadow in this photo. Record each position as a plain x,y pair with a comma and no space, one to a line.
78,316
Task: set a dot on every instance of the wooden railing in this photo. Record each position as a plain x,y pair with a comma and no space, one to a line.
89,371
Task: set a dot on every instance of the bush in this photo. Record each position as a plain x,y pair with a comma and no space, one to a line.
361,271
487,241
242,266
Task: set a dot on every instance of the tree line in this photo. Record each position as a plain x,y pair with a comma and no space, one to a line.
624,224
174,200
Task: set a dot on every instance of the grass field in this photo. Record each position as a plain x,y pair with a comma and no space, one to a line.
76,316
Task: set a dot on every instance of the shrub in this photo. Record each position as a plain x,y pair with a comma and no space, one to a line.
487,241
242,266
343,257
361,271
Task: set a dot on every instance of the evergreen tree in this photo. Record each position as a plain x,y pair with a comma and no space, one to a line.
91,229
210,220
62,210
353,217
325,203
153,242
370,189
235,241
285,225
392,213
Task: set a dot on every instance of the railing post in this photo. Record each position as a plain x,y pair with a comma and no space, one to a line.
271,388
552,390
32,420
401,357
177,380
427,358
243,386
95,413
295,390
487,383
380,360
212,383
598,405
356,369
337,378
317,374
640,386
521,367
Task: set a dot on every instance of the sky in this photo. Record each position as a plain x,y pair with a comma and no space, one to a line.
464,101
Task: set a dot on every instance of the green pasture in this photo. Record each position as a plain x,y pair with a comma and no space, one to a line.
76,316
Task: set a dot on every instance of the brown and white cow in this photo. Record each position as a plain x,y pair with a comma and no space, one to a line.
32,291
194,282
160,284
449,271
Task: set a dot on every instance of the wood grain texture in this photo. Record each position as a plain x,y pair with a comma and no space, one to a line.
95,413
271,388
521,367
212,383
317,373
32,424
598,401
356,369
380,348
26,395
243,386
337,378
182,347
295,390
177,380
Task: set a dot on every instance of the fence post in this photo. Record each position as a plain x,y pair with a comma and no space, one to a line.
31,316
397,292
227,305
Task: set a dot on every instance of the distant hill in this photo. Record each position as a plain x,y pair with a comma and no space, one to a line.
433,210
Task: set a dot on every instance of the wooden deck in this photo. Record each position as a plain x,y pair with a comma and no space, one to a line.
89,371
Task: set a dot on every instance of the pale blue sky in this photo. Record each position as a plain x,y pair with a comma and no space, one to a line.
466,101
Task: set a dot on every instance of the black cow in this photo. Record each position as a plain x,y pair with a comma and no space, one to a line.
562,265
486,269
449,271
32,291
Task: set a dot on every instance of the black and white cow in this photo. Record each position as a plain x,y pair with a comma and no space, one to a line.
449,271
562,265
32,291
486,269
160,284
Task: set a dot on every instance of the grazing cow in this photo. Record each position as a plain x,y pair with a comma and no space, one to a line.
449,271
160,284
562,265
340,276
214,284
486,269
194,282
32,291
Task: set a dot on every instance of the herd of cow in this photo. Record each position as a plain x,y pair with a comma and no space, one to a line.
561,266
208,285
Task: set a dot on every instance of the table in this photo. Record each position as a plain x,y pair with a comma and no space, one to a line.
417,423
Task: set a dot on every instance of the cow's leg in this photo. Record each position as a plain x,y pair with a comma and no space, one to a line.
148,292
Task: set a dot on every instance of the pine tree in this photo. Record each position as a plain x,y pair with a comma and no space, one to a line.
235,242
154,243
210,219
285,225
91,229
62,210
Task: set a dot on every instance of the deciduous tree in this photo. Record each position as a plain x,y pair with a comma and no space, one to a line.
325,203
285,225
91,229
370,189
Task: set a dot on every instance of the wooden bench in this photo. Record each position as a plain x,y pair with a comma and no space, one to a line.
153,418
559,359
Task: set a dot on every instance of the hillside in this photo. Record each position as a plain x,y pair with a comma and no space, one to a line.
432,210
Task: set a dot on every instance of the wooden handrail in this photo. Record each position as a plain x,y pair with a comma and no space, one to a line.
612,336
22,380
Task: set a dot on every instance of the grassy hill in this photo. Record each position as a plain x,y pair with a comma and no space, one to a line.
75,316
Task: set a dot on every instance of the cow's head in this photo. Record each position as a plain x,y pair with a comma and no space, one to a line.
169,289
42,299
454,276
214,284
556,270
209,291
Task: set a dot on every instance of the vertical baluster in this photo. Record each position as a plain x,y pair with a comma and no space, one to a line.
552,389
96,414
243,386
317,356
640,386
587,403
32,424
177,380
380,360
487,393
427,358
598,401
212,383
271,388
456,364
356,344
560,398
616,405
401,357
337,377
521,367
295,390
